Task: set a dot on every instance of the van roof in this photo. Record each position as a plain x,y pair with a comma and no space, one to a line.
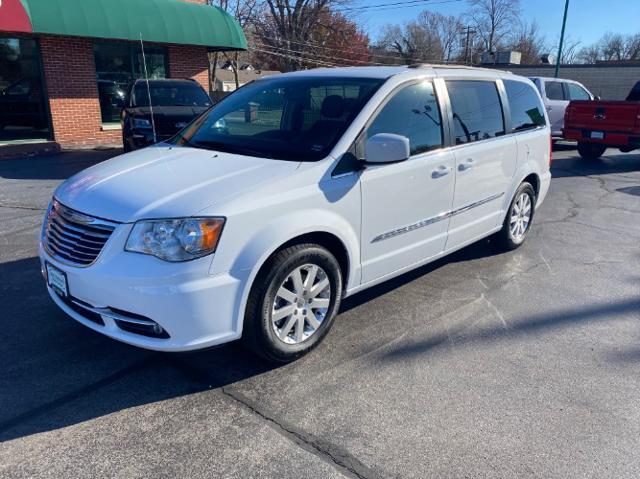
383,72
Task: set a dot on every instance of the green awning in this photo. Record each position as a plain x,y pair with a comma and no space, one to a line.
163,21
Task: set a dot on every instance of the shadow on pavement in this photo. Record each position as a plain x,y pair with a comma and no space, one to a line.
481,249
59,166
608,164
71,374
57,373
518,327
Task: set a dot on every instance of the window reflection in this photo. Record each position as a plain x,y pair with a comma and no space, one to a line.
23,112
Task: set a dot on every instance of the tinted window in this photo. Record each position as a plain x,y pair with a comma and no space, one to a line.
170,95
412,112
634,95
554,90
526,109
477,111
576,92
285,118
117,65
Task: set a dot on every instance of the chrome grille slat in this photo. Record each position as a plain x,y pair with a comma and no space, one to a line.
73,237
80,230
57,228
69,242
72,252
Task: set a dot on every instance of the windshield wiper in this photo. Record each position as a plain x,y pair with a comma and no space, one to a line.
226,148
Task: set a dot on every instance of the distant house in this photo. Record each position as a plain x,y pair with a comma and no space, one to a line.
226,82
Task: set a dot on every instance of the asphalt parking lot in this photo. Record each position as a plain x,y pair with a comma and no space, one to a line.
524,364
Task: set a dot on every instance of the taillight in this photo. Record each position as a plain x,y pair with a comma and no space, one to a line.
568,114
550,150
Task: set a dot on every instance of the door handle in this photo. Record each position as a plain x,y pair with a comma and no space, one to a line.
467,165
549,108
440,171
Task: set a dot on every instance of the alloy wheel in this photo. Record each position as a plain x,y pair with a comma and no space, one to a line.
520,217
301,303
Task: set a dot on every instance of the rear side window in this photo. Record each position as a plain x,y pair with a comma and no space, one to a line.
477,111
576,92
412,112
554,90
526,109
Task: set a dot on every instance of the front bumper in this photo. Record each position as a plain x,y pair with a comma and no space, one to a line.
195,309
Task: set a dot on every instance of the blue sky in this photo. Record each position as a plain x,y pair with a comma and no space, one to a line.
588,19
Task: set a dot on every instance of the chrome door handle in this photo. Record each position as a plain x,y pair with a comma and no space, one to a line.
440,171
467,165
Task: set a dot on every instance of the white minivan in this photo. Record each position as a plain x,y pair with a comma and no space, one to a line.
292,193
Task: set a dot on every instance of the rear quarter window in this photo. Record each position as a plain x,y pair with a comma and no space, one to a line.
554,90
526,109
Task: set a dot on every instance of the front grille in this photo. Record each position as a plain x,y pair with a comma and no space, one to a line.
73,237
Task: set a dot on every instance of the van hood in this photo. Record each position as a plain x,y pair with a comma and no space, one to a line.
166,182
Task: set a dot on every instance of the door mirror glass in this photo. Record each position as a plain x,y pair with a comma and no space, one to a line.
387,148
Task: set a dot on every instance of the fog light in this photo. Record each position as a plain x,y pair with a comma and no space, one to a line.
157,329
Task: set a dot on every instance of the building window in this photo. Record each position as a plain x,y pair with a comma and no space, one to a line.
117,66
23,109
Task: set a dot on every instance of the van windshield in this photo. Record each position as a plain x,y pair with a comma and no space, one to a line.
287,118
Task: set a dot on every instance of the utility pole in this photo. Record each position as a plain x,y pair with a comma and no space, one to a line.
468,32
564,24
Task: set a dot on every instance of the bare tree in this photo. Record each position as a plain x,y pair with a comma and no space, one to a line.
287,26
444,30
244,12
570,51
589,54
433,37
493,20
528,40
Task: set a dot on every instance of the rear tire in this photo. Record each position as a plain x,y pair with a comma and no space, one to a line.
125,146
519,218
293,303
591,151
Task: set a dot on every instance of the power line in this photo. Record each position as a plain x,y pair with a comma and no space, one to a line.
291,57
315,54
396,5
398,57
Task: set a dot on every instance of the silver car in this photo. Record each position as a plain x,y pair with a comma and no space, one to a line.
556,94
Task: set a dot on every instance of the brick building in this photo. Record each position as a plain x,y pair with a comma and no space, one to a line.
65,64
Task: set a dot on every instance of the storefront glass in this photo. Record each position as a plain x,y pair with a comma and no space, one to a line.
117,66
23,109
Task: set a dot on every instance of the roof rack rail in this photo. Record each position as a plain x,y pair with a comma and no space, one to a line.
453,66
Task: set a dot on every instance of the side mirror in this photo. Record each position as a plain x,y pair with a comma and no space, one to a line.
387,148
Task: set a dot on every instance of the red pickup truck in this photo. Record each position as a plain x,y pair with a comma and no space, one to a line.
598,125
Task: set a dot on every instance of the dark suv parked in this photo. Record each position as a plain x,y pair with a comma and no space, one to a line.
175,104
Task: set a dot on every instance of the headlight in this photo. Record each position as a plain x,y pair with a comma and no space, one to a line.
140,123
176,239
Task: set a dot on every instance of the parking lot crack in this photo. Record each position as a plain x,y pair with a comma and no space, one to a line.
335,455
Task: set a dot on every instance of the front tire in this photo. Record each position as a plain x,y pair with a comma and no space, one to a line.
519,217
591,151
293,303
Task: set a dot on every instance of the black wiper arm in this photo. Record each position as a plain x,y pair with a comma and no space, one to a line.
226,148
